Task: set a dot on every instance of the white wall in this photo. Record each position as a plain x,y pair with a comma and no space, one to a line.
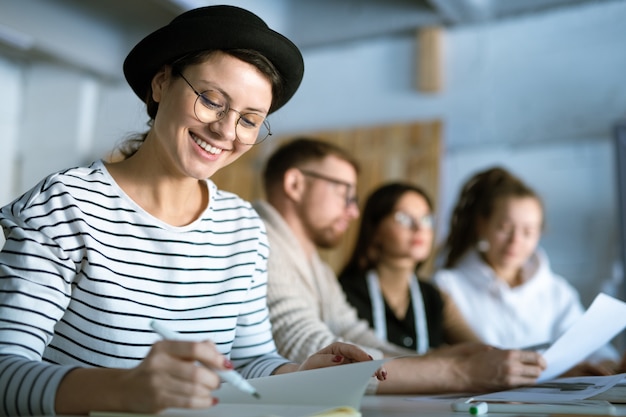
10,106
556,76
538,94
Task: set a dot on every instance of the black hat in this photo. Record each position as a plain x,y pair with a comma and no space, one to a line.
213,27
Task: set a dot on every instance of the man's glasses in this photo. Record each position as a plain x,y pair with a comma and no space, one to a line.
350,199
211,106
409,222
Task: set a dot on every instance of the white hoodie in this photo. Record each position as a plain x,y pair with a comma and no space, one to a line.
538,311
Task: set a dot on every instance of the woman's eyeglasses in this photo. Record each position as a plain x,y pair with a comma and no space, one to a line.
211,106
409,222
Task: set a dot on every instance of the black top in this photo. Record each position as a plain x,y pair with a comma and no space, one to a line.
399,332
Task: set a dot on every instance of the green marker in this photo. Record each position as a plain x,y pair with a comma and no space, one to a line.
478,409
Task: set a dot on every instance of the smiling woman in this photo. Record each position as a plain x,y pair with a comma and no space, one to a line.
212,105
94,254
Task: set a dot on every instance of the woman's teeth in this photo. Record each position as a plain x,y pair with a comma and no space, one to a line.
210,149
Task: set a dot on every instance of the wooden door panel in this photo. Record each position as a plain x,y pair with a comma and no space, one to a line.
408,152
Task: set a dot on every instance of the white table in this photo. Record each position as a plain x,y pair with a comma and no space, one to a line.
406,406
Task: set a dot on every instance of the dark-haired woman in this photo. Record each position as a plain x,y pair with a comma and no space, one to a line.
380,279
94,254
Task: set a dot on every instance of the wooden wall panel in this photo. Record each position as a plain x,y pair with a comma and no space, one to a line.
409,152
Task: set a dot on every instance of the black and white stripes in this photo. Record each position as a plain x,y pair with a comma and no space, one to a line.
84,270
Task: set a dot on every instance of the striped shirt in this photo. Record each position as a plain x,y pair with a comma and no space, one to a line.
84,270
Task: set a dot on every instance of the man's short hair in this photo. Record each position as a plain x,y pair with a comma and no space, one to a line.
298,152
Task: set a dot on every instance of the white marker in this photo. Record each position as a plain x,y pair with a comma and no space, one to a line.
232,377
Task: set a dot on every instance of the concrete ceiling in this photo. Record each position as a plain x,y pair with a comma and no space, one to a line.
96,34
318,23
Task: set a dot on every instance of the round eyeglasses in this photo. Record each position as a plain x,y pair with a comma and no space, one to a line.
211,106
411,223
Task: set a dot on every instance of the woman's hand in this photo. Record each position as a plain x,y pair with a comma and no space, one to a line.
170,376
339,353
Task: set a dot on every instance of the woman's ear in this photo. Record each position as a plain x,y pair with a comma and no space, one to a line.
293,184
159,81
482,244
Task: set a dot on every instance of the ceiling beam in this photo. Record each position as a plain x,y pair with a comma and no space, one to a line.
463,11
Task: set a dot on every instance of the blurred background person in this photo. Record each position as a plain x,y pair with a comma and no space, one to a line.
499,276
310,186
380,278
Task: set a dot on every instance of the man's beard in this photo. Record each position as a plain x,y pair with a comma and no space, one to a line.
326,238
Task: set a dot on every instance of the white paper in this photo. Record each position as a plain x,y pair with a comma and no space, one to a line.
603,320
342,385
295,394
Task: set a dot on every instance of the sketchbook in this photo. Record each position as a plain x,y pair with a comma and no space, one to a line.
326,392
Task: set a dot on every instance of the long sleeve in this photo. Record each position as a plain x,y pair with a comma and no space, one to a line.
254,328
84,270
36,277
308,309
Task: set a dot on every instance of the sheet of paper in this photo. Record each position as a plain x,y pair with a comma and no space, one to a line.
295,394
557,390
603,320
333,386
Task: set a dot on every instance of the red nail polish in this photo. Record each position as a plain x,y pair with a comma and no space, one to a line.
228,364
215,401
338,358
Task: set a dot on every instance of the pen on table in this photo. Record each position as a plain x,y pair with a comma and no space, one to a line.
232,377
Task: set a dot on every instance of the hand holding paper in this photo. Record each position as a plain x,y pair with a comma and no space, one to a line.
339,353
602,321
